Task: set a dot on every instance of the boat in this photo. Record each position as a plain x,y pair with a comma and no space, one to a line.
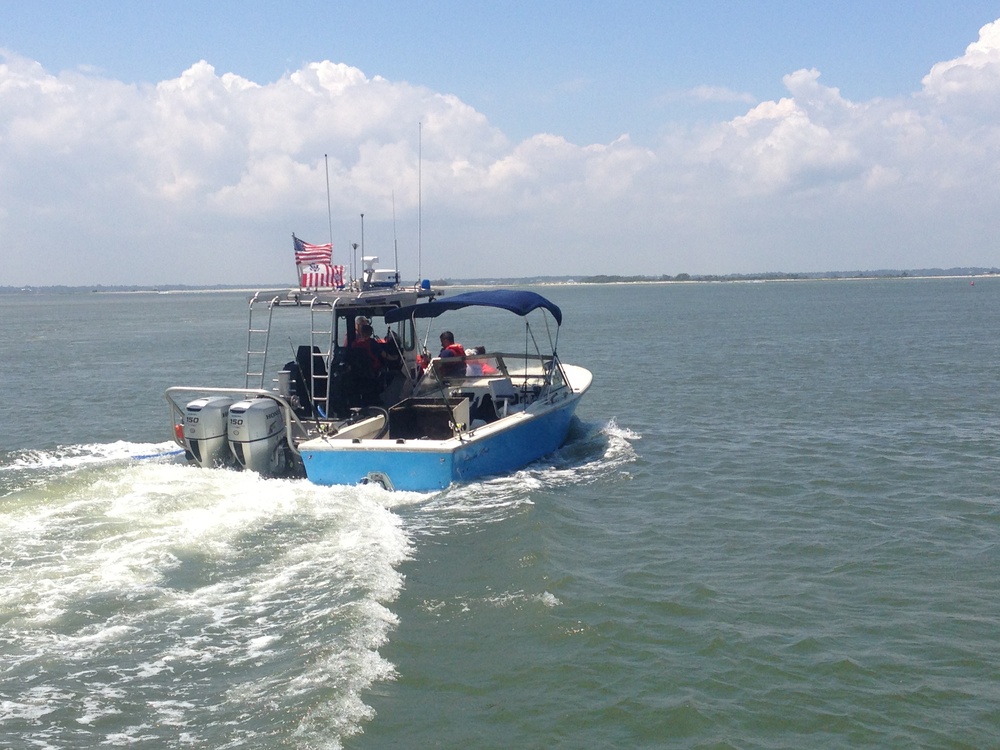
467,416
297,389
420,425
349,408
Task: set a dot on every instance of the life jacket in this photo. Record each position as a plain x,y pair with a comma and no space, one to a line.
456,351
452,360
366,345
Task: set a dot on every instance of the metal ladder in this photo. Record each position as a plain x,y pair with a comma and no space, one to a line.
257,340
321,329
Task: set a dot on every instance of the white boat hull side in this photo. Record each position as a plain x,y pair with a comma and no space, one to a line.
425,465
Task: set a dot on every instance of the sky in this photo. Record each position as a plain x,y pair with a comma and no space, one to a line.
184,142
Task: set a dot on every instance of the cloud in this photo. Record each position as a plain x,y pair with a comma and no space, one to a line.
974,74
202,178
794,143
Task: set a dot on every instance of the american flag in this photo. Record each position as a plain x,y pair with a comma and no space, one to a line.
306,254
317,275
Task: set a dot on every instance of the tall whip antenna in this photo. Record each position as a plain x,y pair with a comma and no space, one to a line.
395,244
420,162
329,210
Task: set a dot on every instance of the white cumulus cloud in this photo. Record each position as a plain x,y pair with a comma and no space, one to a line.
204,177
976,73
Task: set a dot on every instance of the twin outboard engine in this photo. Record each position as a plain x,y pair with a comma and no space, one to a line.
205,425
257,436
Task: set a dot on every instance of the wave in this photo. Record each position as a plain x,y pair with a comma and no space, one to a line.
73,456
182,601
593,452
25,469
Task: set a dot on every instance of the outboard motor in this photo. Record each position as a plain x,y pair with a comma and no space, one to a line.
257,435
205,423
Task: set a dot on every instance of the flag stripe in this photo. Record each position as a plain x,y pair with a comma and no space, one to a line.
306,253
317,275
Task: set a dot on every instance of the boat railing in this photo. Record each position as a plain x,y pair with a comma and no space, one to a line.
294,427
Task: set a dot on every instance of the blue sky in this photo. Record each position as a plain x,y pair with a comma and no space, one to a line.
677,78
589,71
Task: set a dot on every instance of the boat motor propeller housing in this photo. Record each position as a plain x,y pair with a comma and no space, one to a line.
205,425
257,434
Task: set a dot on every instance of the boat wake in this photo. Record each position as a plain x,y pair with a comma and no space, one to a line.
73,456
20,470
145,599
592,453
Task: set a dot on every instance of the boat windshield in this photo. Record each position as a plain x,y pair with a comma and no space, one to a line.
480,368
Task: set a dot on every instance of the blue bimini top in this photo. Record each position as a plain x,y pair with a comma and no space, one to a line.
518,302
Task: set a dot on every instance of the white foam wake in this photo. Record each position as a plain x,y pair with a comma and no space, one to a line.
120,575
592,453
76,456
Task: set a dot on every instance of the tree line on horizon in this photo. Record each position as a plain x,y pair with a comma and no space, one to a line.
596,279
781,276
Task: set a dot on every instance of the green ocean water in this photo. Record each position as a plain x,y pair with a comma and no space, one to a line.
775,525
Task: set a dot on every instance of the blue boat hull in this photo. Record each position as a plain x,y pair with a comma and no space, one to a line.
422,465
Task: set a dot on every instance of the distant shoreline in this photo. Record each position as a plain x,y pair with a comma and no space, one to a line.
603,279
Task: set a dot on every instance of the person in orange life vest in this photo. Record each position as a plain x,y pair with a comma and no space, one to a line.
453,352
364,341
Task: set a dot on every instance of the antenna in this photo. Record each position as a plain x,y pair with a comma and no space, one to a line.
420,163
395,245
329,211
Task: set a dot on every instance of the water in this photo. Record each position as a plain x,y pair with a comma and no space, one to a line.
775,526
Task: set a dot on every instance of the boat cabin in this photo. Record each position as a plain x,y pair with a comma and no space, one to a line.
337,365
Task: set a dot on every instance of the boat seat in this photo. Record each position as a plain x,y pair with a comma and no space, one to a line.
308,372
363,381
504,395
338,404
